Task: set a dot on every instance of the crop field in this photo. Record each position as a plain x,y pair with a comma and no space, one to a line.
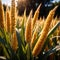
27,37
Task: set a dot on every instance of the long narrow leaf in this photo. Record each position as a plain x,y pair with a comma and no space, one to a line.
2,41
53,29
20,50
51,51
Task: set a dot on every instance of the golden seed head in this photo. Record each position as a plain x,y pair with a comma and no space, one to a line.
35,16
39,45
39,7
34,36
14,42
7,20
28,32
1,15
13,16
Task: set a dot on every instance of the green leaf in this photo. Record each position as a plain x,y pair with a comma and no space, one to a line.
1,33
53,29
29,53
24,51
22,37
20,50
26,47
18,38
5,41
17,25
2,41
5,51
22,33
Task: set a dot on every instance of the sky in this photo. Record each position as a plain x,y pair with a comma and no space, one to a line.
6,2
9,1
55,1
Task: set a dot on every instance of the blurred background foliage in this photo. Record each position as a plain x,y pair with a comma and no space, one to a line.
47,5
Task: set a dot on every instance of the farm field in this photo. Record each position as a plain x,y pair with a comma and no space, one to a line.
29,37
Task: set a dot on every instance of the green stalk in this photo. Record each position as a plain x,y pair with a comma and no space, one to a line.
29,53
